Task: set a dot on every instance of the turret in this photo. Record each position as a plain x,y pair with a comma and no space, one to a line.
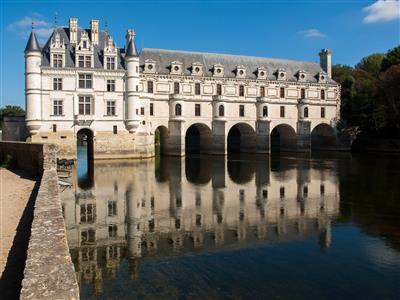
325,61
33,61
132,120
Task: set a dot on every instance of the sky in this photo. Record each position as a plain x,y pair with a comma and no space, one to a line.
291,29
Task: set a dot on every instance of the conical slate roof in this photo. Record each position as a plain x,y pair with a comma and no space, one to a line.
131,50
33,44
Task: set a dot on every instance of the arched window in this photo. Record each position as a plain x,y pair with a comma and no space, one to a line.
305,112
265,111
262,91
176,87
221,110
219,89
178,110
150,87
197,88
241,90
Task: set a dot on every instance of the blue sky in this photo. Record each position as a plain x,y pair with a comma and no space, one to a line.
282,29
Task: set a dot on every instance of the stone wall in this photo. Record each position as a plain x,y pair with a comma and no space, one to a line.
49,272
14,129
32,157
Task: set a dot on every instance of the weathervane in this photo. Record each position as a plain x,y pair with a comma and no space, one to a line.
55,19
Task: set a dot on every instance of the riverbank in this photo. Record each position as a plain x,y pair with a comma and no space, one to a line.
16,189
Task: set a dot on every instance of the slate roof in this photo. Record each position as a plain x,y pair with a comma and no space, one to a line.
131,50
32,44
69,49
163,59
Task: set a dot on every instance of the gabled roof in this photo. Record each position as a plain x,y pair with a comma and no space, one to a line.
32,45
163,59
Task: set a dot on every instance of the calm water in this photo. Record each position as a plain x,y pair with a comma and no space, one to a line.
283,227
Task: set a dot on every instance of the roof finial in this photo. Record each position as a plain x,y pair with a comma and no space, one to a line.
106,26
33,25
55,19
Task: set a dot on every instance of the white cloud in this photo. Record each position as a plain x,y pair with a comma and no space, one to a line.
22,27
382,10
312,33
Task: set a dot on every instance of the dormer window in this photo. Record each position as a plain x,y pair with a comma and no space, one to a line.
301,76
110,55
261,73
84,61
281,74
218,70
176,67
57,60
110,63
321,77
197,69
57,50
149,66
240,72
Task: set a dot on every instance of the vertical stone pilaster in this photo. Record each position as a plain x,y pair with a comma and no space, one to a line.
219,138
304,136
263,137
175,142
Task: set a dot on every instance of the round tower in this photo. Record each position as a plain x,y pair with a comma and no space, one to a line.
132,120
33,61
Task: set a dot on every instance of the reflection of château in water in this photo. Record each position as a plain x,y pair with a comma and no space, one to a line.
197,203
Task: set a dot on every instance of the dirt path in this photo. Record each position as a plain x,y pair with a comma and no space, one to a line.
15,190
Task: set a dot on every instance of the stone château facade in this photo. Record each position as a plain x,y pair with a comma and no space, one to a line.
81,82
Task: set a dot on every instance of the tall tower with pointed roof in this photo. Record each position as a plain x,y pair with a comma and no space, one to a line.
132,84
33,60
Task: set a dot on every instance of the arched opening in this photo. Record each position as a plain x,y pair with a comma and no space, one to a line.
160,138
323,137
85,158
198,139
241,171
178,109
221,110
283,138
198,169
241,138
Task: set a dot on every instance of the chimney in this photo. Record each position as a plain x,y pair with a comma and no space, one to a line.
94,31
325,61
73,30
130,34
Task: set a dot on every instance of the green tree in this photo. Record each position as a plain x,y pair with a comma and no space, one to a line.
371,64
392,58
389,91
11,111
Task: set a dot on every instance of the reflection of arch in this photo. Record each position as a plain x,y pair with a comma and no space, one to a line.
160,138
241,138
198,169
283,138
198,138
241,171
85,149
323,137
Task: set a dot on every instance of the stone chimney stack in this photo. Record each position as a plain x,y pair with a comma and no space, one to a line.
325,61
94,31
73,30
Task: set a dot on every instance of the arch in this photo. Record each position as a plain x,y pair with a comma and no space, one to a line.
241,138
283,138
198,138
221,110
323,137
305,112
265,111
241,171
178,109
198,169
85,155
160,139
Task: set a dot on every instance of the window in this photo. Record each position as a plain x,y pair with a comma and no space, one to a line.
85,103
241,110
54,127
305,113
262,91
111,108
57,84
197,88
282,111
150,87
57,107
322,94
88,213
151,109
88,236
110,63
282,92
197,111
241,91
176,87
322,112
322,189
85,81
265,111
198,220
142,111
84,61
57,60
110,85
303,93
219,89
112,208
115,129
221,110
305,191
178,110
112,231
282,192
